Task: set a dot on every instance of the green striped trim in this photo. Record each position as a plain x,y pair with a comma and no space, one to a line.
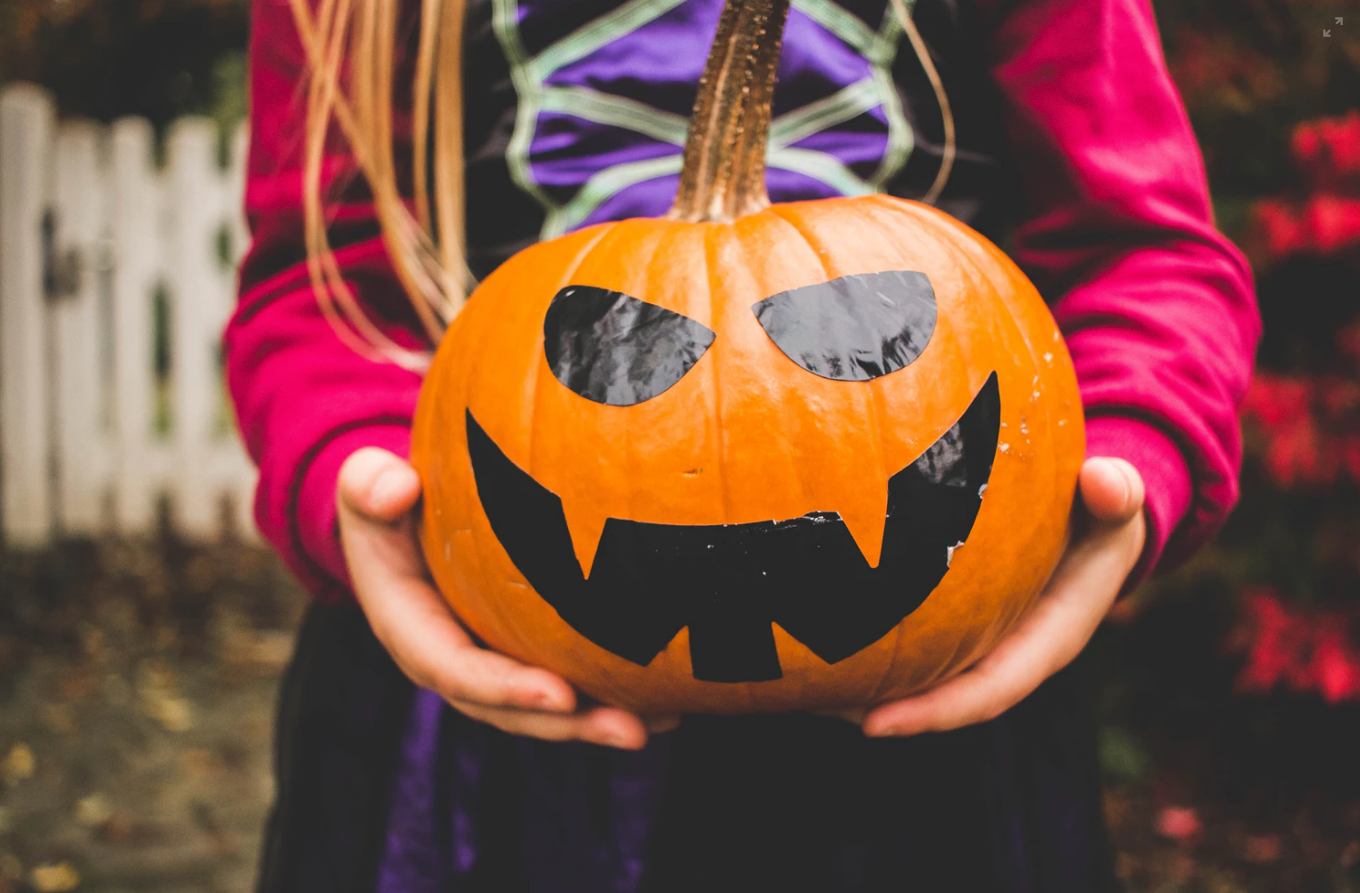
505,23
602,108
841,106
605,185
819,166
599,33
845,25
901,137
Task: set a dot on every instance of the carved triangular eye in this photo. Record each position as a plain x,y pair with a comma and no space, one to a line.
855,328
614,349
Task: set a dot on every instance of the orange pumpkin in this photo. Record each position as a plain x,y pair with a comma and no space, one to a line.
749,457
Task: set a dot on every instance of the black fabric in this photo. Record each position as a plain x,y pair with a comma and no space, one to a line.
342,710
804,804
795,803
983,188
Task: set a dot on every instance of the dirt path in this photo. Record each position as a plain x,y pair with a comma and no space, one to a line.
136,712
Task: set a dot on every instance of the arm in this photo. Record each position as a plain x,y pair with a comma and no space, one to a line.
304,400
330,428
1157,308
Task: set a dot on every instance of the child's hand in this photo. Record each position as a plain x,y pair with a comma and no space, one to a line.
1057,627
375,495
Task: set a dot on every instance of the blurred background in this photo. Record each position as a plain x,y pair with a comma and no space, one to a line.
138,668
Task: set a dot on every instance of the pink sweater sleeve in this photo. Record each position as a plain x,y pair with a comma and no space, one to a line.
305,400
1157,306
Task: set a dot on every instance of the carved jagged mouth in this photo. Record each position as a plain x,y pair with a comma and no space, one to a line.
729,583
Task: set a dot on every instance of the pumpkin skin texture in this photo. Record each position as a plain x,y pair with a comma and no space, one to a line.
745,434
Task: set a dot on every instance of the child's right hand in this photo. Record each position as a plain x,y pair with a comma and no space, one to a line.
376,494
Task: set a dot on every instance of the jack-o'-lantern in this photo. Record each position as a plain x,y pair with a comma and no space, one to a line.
749,457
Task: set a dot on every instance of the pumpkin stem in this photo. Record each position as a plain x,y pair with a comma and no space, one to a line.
723,177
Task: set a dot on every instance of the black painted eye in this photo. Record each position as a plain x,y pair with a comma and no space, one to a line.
617,350
854,328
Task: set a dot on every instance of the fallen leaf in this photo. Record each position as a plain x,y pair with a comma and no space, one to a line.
200,763
93,811
175,714
1179,823
1351,854
1262,850
56,877
20,763
58,719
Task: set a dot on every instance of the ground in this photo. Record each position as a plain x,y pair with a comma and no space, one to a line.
137,687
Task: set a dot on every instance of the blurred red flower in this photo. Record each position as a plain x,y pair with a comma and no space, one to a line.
1302,651
1307,427
1322,224
1328,151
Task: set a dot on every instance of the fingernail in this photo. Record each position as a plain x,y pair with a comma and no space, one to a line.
620,740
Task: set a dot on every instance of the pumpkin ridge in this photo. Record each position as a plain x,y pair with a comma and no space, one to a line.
756,223
880,687
715,407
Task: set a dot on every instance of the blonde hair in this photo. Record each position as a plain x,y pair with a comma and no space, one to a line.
358,39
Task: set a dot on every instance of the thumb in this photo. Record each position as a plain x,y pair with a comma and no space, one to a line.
1112,489
377,485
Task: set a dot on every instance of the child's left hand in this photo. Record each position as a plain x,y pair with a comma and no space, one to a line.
1056,628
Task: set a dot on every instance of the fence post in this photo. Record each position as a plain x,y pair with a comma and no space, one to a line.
134,221
80,384
194,216
26,124
242,474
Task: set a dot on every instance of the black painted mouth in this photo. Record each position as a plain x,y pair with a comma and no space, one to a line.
728,583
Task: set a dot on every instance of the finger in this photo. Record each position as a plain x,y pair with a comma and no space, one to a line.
1046,639
412,621
666,723
853,715
1111,489
598,725
378,485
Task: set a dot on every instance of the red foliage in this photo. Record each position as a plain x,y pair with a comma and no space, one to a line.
1322,224
1302,651
1309,426
1328,151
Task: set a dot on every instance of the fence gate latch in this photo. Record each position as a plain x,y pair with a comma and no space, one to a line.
61,269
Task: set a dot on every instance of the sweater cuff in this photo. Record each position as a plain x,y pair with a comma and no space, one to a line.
316,530
1165,473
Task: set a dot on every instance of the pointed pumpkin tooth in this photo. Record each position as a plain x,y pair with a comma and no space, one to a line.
585,526
865,522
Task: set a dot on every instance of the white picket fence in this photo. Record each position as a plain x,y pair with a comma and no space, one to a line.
108,263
